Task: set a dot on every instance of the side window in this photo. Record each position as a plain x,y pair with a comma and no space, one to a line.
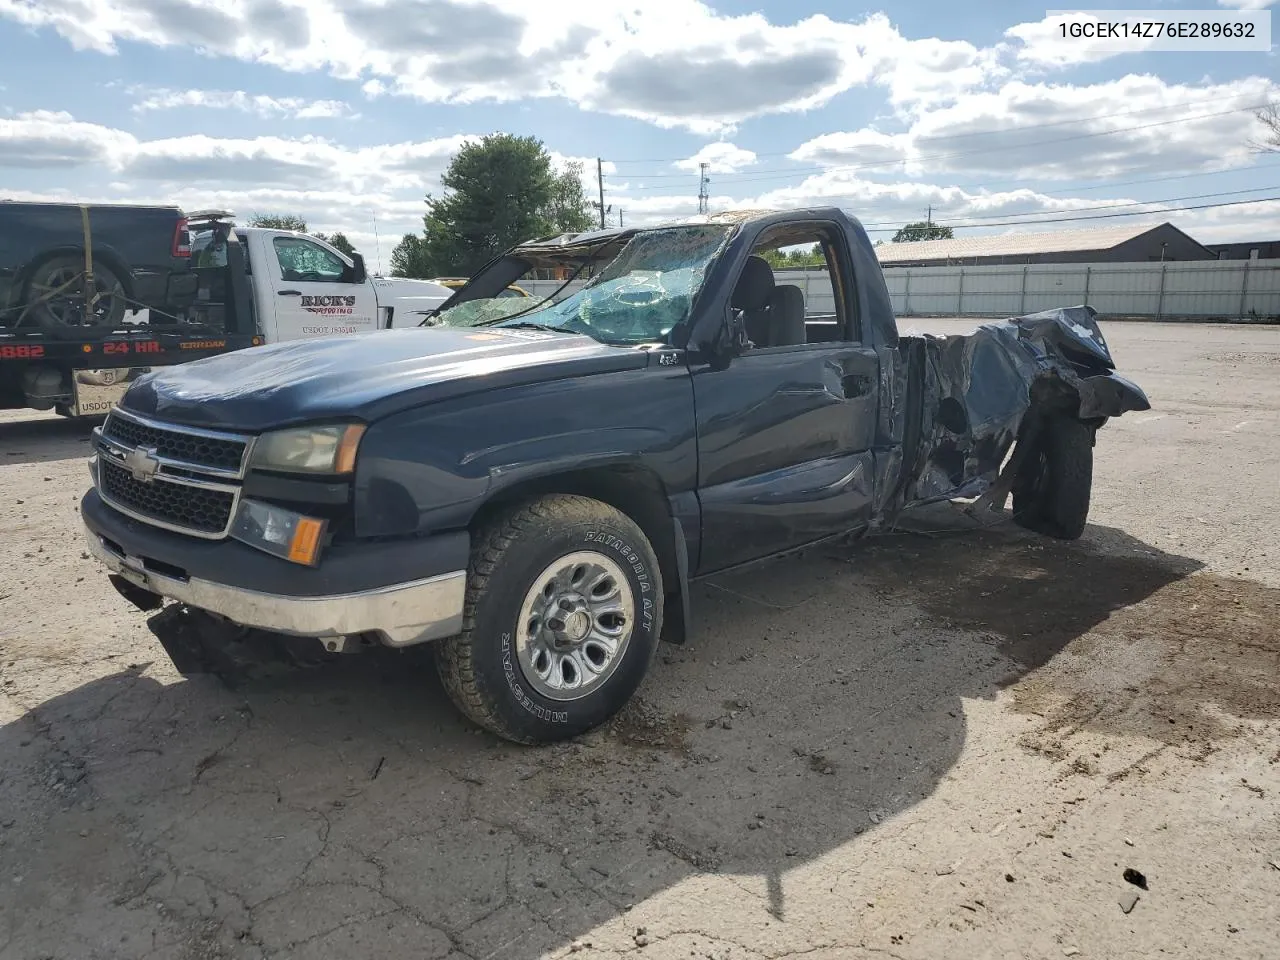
303,260
244,248
790,292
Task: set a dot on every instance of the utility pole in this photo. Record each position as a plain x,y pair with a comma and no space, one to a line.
600,182
704,197
619,216
930,215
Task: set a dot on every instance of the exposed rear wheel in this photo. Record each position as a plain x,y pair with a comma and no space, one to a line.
562,619
57,304
1052,489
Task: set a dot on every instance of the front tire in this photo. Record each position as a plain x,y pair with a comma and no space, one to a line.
561,623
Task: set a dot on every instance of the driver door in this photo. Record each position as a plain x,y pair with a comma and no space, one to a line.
312,291
785,431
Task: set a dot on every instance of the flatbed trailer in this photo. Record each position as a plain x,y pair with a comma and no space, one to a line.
83,377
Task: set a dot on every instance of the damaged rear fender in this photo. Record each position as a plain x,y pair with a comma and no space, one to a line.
975,394
1109,395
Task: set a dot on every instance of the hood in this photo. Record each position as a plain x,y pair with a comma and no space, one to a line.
362,376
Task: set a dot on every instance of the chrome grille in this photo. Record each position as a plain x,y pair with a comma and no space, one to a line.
179,478
197,448
177,505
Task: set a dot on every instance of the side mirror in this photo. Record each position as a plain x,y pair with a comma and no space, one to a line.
358,272
731,340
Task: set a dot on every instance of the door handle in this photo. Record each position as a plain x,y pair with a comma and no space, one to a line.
856,385
290,293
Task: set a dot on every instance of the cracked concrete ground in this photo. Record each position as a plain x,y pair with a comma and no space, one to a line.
949,743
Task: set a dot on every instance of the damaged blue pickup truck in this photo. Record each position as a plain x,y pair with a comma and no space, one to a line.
531,484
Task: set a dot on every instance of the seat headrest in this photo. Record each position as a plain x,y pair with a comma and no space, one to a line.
788,299
786,317
754,286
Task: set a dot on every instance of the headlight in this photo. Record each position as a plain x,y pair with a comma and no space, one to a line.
330,449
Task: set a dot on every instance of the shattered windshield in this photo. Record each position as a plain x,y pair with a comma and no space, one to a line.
638,298
472,312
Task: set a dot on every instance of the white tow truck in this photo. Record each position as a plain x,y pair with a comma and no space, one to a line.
303,288
243,287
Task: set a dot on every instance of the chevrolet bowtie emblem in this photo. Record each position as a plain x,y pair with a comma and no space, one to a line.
142,463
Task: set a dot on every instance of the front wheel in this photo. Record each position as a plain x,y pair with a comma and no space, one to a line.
561,623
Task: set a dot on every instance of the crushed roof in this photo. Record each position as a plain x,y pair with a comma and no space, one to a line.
1013,244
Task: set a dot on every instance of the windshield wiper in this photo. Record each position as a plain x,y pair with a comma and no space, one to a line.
530,325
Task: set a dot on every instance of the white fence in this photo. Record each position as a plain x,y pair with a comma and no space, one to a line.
1180,290
1244,290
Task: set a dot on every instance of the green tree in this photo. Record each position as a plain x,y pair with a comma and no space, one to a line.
291,221
499,191
338,241
922,230
569,210
796,259
409,258
279,221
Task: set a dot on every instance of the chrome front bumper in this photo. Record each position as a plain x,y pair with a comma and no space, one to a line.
402,614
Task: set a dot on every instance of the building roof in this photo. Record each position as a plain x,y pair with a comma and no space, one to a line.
1244,244
1013,244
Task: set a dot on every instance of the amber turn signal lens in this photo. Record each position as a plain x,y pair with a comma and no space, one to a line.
280,532
306,541
345,461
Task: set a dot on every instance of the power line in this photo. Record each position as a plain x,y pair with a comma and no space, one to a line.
955,221
1106,184
1099,216
1030,126
843,168
1112,184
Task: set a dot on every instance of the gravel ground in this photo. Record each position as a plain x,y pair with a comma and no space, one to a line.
952,743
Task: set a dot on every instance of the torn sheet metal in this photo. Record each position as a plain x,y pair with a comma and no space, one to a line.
976,389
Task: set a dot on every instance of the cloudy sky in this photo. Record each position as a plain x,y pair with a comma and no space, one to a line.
346,111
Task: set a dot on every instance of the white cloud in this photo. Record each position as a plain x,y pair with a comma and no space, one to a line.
677,64
332,186
1136,124
864,148
883,207
720,157
929,72
57,139
44,138
1042,44
258,104
1052,43
673,63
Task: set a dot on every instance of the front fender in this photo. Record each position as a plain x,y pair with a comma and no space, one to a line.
430,468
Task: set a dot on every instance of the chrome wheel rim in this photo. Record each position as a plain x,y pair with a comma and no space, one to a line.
575,624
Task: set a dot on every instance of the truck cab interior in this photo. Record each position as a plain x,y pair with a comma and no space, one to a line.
794,310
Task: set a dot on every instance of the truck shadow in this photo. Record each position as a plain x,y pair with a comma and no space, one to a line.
818,698
44,440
